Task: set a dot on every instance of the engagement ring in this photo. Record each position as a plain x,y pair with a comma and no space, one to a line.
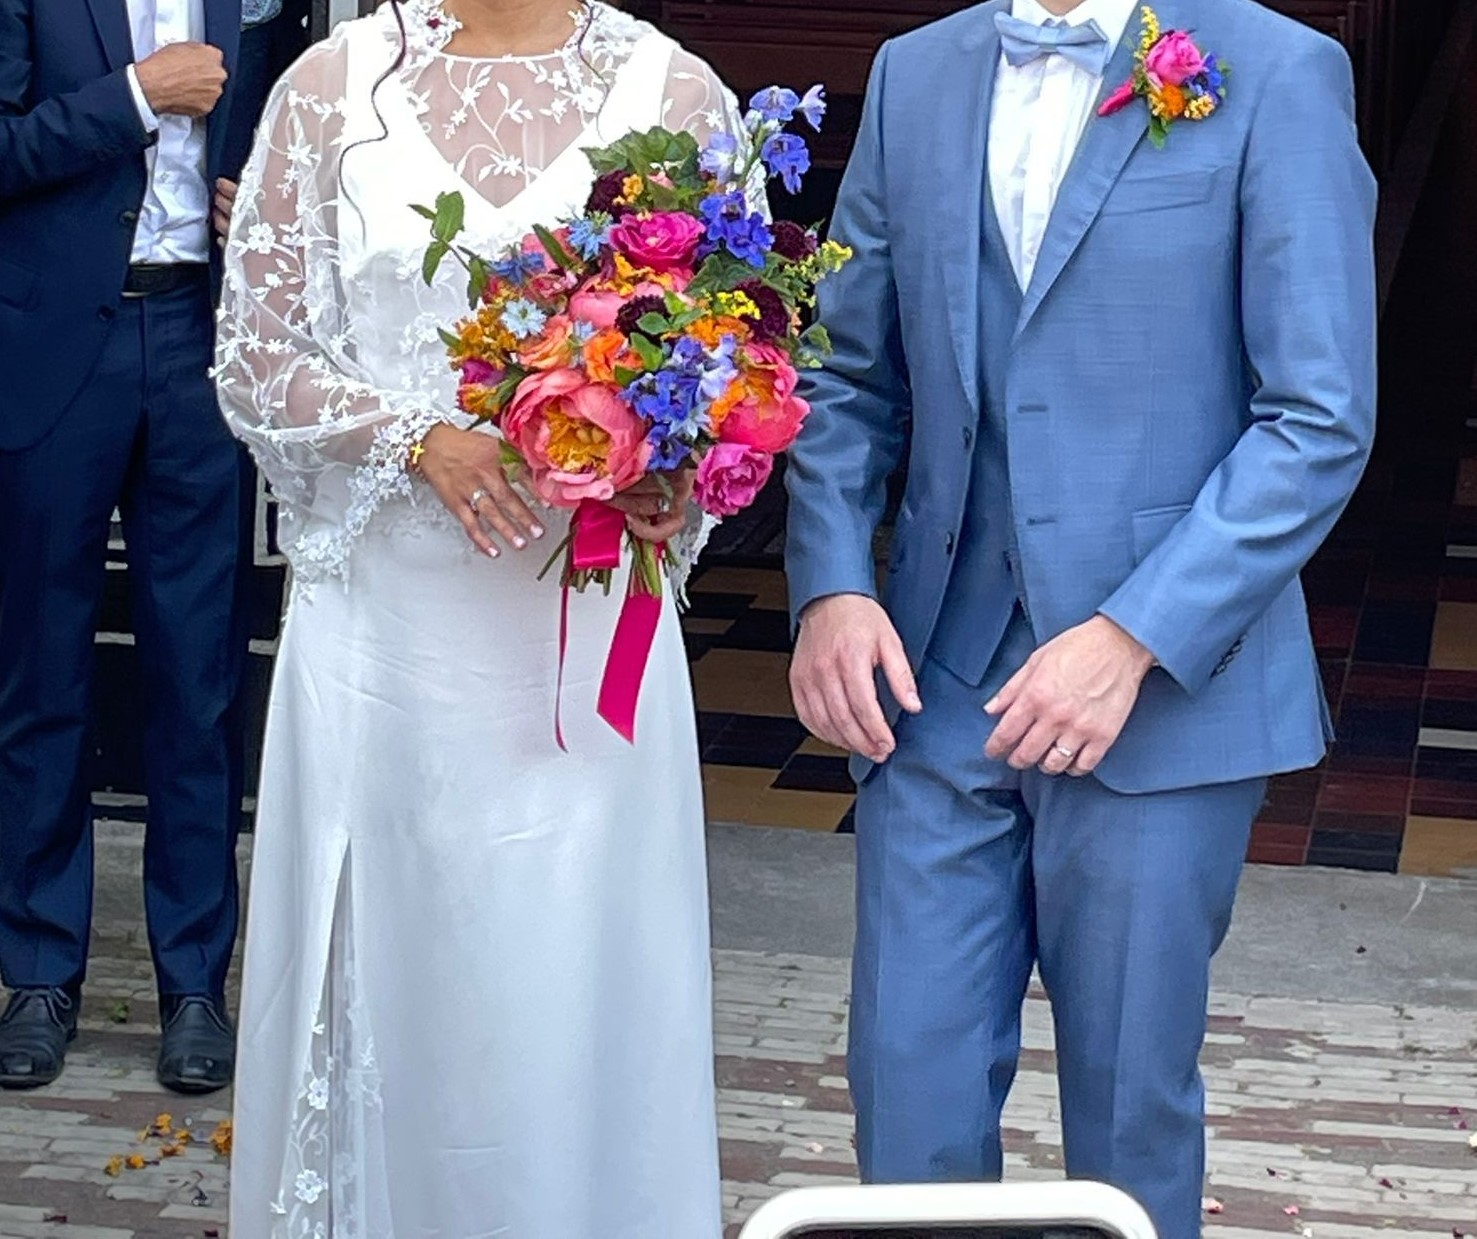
1067,753
478,496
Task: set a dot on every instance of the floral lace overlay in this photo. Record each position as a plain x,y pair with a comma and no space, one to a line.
335,1140
329,363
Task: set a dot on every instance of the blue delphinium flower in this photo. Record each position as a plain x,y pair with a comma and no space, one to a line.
669,401
732,225
1214,76
786,156
718,369
524,319
813,106
519,267
721,156
776,104
588,235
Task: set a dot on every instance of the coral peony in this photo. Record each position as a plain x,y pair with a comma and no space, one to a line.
761,409
578,439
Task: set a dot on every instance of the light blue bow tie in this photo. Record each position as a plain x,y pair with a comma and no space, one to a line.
1086,46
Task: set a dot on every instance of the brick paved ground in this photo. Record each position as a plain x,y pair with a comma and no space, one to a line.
1353,1114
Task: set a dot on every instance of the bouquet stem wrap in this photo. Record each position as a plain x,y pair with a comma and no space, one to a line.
597,534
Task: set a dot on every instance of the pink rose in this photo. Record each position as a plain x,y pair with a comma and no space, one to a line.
761,409
666,241
600,305
730,477
578,439
1174,59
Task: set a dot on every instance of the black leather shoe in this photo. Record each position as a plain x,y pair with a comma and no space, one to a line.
34,1032
198,1052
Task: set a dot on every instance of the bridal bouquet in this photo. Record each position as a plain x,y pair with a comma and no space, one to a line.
659,330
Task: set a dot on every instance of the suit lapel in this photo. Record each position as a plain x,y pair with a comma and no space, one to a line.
110,17
1107,143
962,218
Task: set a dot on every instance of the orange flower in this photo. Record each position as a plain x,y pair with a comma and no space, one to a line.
709,332
606,350
550,349
1168,102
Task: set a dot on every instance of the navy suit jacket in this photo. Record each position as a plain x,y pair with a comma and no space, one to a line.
72,182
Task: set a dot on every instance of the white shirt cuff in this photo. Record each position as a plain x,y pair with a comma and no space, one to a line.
145,112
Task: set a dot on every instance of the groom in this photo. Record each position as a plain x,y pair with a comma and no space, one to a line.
1135,387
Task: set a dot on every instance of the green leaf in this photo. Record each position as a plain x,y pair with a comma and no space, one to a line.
507,389
451,214
451,341
653,324
626,377
817,337
424,212
561,257
435,252
651,354
479,275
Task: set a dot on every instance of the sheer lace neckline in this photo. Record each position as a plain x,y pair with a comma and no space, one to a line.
431,28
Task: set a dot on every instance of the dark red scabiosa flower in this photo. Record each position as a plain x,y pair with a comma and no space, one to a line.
792,241
774,318
604,195
634,310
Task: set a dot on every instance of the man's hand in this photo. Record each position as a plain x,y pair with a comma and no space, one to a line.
843,640
183,79
1066,707
223,208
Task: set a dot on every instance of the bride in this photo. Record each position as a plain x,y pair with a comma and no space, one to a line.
477,991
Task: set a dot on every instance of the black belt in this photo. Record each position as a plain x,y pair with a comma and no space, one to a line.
149,279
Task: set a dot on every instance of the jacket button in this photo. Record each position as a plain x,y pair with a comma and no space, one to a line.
107,313
128,218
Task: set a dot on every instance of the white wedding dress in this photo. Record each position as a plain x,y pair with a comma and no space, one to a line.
477,990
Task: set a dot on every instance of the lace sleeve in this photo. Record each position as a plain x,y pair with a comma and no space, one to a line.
699,102
332,443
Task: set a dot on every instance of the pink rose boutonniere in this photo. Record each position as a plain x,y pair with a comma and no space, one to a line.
1175,78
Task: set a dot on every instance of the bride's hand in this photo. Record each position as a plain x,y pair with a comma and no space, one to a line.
656,512
466,470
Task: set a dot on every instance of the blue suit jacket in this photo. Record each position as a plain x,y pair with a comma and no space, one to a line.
72,181
1188,391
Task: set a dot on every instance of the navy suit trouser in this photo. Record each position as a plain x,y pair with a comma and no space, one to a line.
144,436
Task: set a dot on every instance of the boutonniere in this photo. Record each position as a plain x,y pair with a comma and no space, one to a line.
1175,78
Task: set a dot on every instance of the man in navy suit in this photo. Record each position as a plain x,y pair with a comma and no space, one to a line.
112,129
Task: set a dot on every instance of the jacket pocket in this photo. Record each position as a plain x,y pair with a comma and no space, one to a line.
18,285
1164,191
1152,525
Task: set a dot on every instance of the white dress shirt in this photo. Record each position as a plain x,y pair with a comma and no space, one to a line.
174,225
1036,121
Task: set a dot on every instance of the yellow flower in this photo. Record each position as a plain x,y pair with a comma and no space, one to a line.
114,1167
631,188
737,305
137,1161
1151,28
1200,107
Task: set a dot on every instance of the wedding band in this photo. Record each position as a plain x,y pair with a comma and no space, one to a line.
1065,752
478,496
663,506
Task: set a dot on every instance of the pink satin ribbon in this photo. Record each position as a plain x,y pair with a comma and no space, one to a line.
597,535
